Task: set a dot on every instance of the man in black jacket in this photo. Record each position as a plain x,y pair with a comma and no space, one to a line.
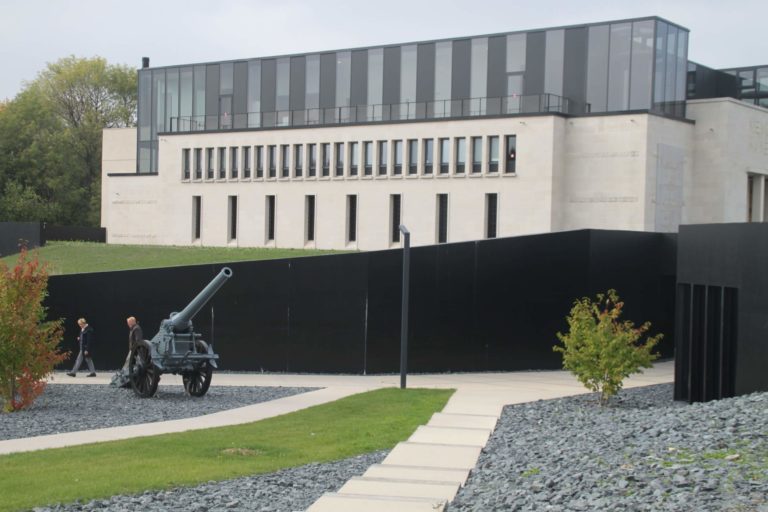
86,341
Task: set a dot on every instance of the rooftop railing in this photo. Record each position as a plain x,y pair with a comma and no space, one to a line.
441,109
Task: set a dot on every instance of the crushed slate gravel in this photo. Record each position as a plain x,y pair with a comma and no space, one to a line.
644,452
72,407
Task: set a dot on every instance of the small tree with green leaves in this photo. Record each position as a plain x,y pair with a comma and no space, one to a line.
29,345
600,349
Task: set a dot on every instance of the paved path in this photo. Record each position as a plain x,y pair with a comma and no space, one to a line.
420,474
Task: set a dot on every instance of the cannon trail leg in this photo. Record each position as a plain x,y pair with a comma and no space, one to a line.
143,374
197,381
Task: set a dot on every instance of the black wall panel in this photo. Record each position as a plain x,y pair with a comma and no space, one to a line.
391,91
474,306
327,80
298,83
359,69
461,69
12,234
425,72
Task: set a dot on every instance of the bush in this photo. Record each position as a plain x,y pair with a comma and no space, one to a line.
601,350
28,344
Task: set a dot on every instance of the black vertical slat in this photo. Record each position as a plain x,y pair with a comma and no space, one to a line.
391,91
461,69
575,66
442,218
425,72
682,340
298,83
327,80
359,67
352,220
240,91
268,85
395,218
535,51
212,96
497,66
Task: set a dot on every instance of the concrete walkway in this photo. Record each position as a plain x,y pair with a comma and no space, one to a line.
420,474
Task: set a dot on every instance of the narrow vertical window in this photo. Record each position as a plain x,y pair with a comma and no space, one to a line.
442,218
209,165
339,159
354,157
232,218
491,214
477,154
351,218
394,208
246,161
368,149
445,155
383,147
198,163
326,157
461,154
309,206
270,217
298,159
510,154
272,161
197,210
493,154
259,161
398,157
285,155
233,162
413,156
185,163
429,151
222,163
313,160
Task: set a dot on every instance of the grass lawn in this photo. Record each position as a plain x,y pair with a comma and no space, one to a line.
354,425
77,257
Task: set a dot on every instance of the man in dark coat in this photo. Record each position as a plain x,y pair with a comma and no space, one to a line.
86,342
135,335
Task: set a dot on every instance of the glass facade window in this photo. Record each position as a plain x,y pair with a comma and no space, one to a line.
298,160
271,204
254,93
351,218
209,163
554,61
442,218
185,162
478,82
493,154
326,158
198,163
272,153
222,163
312,87
408,61
198,104
233,162
429,154
394,215
597,68
491,214
309,221
197,211
460,143
368,150
443,68
246,161
398,149
285,158
383,148
670,69
339,158
354,158
172,100
343,78
618,66
413,156
510,164
312,160
516,53
641,71
283,90
477,154
186,88
445,155
232,218
259,161
375,84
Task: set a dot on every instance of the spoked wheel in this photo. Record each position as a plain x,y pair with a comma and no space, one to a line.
197,381
142,373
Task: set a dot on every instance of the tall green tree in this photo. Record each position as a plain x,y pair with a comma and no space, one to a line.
50,139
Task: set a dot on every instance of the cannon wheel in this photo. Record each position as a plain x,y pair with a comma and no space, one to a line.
144,376
197,381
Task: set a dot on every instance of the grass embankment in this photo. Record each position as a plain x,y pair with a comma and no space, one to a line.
77,257
358,424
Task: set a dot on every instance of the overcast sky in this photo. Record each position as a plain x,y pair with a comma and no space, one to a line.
35,32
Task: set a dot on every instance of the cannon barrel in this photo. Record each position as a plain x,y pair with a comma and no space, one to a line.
181,320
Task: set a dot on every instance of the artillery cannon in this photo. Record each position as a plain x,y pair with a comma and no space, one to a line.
177,349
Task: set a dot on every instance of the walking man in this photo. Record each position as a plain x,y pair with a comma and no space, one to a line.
86,341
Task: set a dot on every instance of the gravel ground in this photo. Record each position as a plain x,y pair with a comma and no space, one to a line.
72,407
642,453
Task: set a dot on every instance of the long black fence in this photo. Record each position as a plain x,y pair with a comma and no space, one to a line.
14,235
489,305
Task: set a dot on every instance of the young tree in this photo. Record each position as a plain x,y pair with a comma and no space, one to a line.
600,349
29,345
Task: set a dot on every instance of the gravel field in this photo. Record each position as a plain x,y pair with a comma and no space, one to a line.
72,407
642,453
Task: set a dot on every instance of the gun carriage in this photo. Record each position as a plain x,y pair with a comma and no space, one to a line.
177,349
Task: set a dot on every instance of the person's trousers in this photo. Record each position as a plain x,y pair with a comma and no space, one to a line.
79,361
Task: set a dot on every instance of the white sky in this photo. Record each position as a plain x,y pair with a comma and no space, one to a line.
170,32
